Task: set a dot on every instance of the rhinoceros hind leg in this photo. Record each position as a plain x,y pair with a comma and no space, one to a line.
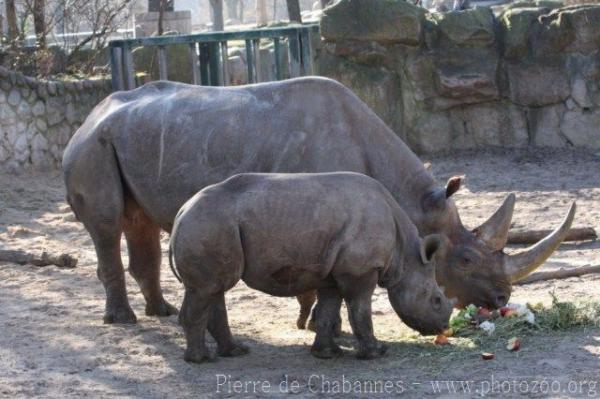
95,193
218,327
143,244
110,272
306,301
195,312
326,315
99,206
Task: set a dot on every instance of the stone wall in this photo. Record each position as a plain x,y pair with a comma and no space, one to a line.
528,74
38,117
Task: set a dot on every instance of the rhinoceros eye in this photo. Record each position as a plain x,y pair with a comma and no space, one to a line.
468,259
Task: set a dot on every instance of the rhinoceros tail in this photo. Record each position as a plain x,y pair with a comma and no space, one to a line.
172,263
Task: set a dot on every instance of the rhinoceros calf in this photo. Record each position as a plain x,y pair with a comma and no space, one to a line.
284,234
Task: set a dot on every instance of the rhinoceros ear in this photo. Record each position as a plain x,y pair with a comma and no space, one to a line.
453,185
436,200
430,245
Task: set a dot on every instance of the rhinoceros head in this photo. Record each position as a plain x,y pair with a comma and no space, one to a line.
415,295
473,267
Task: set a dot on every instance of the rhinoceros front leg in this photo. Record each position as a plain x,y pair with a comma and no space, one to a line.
218,327
326,315
357,295
143,244
312,323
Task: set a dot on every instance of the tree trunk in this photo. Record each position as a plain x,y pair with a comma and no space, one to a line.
325,3
44,259
39,22
533,236
216,14
161,17
233,9
559,274
293,7
261,13
11,19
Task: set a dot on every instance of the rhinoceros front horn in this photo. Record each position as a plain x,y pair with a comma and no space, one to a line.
520,265
494,232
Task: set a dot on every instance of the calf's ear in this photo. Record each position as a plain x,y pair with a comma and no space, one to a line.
430,245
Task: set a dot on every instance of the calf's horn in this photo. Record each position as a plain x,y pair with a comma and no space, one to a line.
494,232
520,265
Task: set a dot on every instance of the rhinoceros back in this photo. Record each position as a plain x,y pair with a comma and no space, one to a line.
172,139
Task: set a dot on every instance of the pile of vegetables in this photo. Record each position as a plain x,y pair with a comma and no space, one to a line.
515,320
474,318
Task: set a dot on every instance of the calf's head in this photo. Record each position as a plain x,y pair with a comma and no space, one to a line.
473,267
415,295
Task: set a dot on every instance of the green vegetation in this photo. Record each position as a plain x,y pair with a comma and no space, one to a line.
470,341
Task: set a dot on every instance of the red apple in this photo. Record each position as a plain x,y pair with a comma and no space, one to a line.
507,312
441,339
514,344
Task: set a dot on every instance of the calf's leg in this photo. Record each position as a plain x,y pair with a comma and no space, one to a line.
326,314
218,326
143,244
195,312
357,295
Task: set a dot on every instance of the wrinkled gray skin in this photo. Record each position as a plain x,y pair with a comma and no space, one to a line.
141,154
284,234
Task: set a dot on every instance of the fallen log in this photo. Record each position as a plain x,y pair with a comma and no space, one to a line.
533,236
559,274
45,259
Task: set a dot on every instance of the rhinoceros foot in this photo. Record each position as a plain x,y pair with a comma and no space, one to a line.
372,352
337,326
198,356
121,315
233,350
161,309
326,352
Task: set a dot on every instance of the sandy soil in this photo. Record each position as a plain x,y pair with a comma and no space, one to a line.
53,342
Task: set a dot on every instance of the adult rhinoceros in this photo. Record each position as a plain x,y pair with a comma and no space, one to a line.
141,154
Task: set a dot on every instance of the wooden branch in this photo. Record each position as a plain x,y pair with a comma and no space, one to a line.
533,236
45,259
558,274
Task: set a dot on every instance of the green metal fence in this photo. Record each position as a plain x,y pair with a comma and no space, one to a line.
208,54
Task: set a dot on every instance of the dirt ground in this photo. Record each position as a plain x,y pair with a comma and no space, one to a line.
53,342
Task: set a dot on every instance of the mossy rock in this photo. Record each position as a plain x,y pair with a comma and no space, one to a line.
376,86
145,59
585,20
467,28
516,25
552,35
392,21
